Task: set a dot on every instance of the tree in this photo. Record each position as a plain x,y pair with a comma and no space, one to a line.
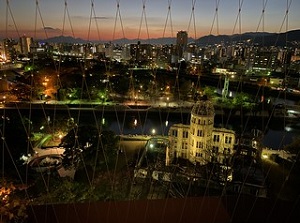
185,88
16,136
294,146
209,91
121,85
13,207
85,145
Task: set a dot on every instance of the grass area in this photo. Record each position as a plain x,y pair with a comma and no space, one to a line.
42,139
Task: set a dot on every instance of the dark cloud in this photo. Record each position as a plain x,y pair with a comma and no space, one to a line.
94,17
49,28
79,17
101,17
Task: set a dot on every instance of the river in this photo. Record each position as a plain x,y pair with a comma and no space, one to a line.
277,132
276,136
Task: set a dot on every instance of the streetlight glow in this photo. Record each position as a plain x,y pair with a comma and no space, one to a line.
135,122
153,131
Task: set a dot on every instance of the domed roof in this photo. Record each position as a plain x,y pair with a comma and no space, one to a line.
203,107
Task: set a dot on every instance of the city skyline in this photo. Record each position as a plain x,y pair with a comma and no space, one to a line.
103,20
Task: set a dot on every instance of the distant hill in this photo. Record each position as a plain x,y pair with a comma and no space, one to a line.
155,41
261,38
64,39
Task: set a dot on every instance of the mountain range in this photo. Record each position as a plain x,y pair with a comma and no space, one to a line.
261,38
289,38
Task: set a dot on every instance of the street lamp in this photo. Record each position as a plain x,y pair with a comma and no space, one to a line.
135,97
135,122
153,131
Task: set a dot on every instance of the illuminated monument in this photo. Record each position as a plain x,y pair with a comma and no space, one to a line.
200,142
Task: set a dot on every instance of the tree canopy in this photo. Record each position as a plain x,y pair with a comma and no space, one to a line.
86,145
15,136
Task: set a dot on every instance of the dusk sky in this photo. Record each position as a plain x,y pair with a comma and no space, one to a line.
23,12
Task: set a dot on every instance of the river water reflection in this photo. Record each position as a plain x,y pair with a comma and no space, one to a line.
276,136
158,123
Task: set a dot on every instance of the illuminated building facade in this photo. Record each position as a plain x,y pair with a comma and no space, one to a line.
200,142
25,43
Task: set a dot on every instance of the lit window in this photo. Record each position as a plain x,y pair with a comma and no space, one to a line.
185,134
199,145
200,132
228,139
174,133
216,138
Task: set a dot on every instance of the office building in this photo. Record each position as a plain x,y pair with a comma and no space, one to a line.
181,42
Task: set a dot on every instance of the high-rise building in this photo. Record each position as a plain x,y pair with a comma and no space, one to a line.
181,42
2,52
8,50
140,52
25,43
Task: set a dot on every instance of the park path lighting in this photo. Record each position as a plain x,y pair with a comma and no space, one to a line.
288,129
135,122
153,131
45,82
135,99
